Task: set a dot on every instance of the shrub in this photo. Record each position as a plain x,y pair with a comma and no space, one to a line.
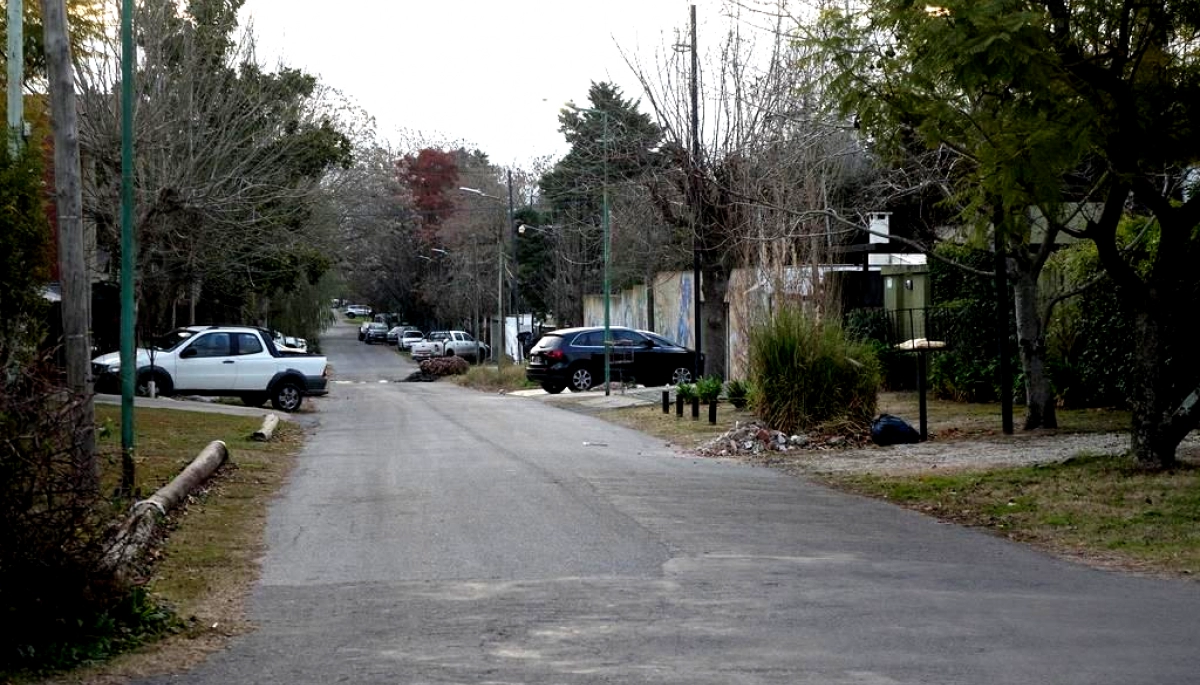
708,388
62,601
876,327
806,373
445,366
737,391
966,321
1092,338
687,391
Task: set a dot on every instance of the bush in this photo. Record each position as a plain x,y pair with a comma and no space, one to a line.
737,391
63,604
708,388
966,370
806,373
1092,338
876,327
445,366
687,391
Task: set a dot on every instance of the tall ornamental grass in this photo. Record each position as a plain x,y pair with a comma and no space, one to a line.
806,373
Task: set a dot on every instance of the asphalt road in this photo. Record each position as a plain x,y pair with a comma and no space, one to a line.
433,534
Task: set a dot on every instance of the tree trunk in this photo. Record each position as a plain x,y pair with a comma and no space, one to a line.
76,287
1039,400
1161,417
713,285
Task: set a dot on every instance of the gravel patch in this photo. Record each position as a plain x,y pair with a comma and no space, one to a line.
978,453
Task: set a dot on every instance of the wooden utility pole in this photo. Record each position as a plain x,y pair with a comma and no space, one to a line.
72,264
16,76
698,320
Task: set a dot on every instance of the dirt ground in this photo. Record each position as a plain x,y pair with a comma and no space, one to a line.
969,436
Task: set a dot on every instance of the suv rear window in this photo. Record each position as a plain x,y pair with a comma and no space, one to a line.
548,341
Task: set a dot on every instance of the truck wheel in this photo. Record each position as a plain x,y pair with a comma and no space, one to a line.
287,396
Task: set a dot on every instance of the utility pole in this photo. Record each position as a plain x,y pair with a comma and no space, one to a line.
76,290
509,236
128,263
698,325
16,76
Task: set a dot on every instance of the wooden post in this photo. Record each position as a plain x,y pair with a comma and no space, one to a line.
76,288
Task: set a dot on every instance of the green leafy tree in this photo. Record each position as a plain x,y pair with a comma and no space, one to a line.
1051,102
923,78
25,255
612,146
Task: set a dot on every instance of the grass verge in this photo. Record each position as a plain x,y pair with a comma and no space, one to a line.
1099,509
683,430
485,377
210,557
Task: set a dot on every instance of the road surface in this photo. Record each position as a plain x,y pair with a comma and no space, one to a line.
433,534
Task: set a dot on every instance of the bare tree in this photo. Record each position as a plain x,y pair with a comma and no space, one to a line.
771,174
229,158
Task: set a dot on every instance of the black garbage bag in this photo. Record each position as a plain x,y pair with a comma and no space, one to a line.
893,430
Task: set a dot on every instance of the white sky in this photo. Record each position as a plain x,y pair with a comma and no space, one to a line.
492,74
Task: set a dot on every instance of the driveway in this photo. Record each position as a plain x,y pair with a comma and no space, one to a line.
433,534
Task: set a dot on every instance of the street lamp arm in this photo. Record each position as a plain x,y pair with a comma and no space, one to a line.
480,193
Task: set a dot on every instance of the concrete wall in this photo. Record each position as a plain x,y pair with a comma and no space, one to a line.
749,300
672,307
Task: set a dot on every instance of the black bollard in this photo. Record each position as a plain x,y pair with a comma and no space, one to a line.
696,407
666,401
712,412
678,406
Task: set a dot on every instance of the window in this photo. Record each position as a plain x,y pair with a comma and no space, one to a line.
590,339
212,345
628,338
248,343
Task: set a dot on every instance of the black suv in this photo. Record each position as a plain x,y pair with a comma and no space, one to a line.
574,358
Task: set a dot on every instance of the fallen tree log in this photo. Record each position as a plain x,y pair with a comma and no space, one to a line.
133,537
263,434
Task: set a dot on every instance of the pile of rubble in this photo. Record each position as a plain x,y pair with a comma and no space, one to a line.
754,438
433,369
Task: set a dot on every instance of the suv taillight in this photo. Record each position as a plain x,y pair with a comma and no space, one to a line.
555,356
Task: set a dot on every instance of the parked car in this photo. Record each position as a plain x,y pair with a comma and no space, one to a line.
289,343
239,361
448,344
376,332
574,358
404,337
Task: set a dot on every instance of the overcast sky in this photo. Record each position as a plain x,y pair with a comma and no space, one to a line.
492,74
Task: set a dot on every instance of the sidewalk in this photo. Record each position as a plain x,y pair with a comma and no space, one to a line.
198,405
596,399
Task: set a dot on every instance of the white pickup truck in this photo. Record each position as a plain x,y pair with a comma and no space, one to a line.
449,344
239,361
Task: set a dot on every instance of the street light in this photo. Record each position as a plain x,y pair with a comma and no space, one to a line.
604,221
499,267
